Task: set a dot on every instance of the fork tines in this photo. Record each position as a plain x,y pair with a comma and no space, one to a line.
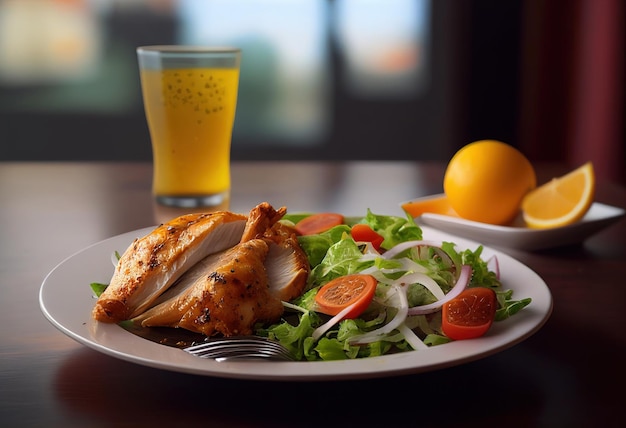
239,347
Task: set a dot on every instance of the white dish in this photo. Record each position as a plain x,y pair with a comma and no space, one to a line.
521,237
66,300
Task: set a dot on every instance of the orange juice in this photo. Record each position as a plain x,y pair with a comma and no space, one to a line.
190,98
190,112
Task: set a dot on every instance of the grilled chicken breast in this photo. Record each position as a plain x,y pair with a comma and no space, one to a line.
229,293
286,263
218,273
229,298
154,262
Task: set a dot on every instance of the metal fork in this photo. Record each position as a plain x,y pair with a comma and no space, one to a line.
240,347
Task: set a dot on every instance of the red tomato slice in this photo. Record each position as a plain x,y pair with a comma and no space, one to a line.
318,223
364,233
344,291
470,314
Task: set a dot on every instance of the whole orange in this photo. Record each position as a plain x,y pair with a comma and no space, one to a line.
486,181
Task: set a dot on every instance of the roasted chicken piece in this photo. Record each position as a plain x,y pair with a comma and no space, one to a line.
154,262
261,221
229,298
287,265
231,292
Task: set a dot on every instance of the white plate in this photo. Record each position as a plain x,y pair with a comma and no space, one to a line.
521,237
66,300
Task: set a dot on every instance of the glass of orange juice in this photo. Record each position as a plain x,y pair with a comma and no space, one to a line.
190,99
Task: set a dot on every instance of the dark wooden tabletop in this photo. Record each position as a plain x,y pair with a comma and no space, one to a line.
568,374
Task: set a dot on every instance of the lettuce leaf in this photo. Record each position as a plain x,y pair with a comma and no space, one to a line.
394,229
342,258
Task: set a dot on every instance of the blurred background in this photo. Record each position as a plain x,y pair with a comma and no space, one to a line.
327,79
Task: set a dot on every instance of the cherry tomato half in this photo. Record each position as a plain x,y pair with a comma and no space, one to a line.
470,314
344,291
364,233
318,223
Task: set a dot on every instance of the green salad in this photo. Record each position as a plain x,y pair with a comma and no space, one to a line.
415,278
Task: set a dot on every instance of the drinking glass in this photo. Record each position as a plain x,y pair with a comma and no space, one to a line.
190,99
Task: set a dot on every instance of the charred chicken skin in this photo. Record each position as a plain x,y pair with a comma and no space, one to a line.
230,291
151,264
229,298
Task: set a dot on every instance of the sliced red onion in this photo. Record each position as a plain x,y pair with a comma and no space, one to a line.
436,246
293,307
319,331
494,265
396,321
408,244
461,284
425,280
406,264
412,339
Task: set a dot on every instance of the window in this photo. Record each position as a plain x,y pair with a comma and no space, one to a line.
320,78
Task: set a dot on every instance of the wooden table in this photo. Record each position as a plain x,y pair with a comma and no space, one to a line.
570,373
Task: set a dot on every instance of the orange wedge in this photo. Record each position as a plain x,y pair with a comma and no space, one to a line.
433,204
561,201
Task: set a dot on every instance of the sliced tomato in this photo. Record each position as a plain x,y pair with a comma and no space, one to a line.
318,223
364,233
470,314
338,294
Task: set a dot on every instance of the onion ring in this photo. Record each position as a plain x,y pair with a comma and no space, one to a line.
461,284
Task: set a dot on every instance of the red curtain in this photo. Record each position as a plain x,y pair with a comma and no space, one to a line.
573,84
